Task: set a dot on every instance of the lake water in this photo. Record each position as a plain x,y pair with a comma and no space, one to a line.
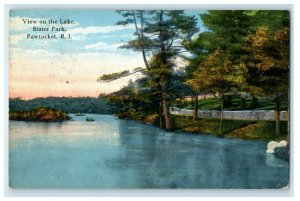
111,153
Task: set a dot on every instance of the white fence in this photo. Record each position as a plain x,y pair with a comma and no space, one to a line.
241,115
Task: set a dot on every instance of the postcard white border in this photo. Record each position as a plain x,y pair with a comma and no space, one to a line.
151,192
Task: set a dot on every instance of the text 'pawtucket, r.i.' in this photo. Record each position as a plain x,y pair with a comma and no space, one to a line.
48,36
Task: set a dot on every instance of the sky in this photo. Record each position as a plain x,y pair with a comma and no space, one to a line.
69,67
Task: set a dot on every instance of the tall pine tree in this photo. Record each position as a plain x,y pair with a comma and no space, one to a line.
159,35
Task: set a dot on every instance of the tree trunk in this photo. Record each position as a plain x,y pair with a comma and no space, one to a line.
221,114
254,103
160,115
195,111
180,103
165,107
140,35
277,115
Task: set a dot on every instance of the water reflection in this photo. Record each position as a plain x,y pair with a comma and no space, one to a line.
178,160
273,161
111,153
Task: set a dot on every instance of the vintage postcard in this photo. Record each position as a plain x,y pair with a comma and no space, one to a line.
149,99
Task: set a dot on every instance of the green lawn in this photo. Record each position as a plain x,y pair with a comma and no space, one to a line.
242,129
261,130
214,104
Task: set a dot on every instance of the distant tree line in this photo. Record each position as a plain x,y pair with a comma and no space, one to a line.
67,104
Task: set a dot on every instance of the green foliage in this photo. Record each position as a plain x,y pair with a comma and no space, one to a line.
254,43
39,114
216,74
142,117
218,52
156,27
113,76
156,33
242,52
268,61
135,97
272,20
68,104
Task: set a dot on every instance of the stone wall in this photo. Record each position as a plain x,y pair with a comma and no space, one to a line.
241,115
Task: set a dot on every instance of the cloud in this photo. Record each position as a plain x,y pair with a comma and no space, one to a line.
99,29
15,39
80,33
20,54
103,46
117,36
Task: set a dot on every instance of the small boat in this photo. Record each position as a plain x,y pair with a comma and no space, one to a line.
89,119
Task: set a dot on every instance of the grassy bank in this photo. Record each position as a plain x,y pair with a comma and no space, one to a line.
241,129
236,103
40,115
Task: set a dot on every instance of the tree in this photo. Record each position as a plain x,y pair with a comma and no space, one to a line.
257,46
267,61
218,75
199,49
160,34
222,70
141,42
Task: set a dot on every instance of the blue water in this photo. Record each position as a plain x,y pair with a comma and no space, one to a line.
112,153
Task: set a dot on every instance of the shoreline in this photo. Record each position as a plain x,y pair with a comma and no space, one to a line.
257,130
232,129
